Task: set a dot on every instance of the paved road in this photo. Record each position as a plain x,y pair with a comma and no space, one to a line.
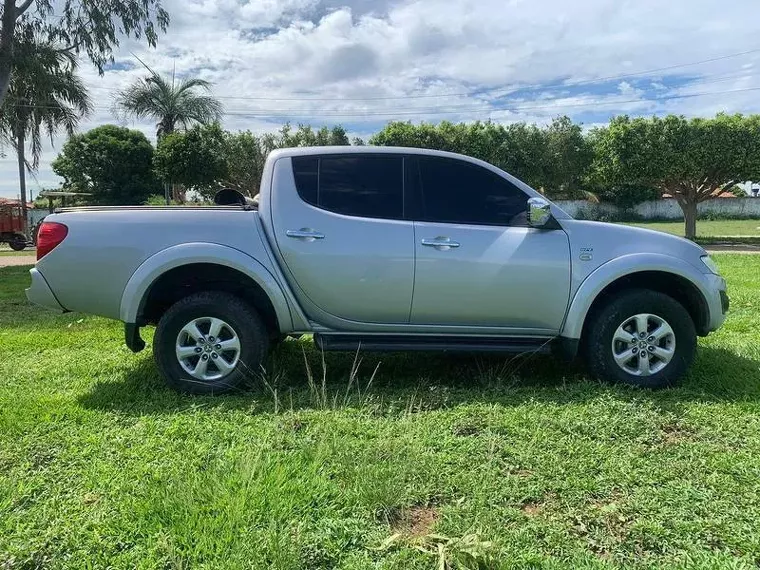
8,260
733,248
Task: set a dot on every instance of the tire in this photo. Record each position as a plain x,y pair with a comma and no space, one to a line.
669,355
17,243
228,369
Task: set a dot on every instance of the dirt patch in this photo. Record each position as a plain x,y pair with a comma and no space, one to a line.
465,430
91,498
292,424
532,508
672,434
604,524
415,521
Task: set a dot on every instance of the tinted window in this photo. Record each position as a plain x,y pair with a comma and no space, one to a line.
306,173
366,186
461,192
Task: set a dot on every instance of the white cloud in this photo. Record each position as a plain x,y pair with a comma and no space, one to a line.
517,60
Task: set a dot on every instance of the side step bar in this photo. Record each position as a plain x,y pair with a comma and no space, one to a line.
403,343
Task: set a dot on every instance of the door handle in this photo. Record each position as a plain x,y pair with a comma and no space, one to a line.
305,234
439,243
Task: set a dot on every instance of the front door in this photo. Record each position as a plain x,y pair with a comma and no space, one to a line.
339,227
478,262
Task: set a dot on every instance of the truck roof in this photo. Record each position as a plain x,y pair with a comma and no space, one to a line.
310,150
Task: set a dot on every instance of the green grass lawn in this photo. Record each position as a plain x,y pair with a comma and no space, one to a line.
522,463
708,228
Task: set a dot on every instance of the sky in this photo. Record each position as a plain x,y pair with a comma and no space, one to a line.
362,63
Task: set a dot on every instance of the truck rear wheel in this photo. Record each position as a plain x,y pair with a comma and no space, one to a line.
642,338
210,343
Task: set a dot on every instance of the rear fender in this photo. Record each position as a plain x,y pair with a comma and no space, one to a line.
135,292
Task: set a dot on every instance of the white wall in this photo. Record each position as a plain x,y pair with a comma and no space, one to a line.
670,210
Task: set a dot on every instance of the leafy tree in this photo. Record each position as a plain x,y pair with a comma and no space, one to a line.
304,135
45,94
567,156
247,153
624,195
88,27
553,158
112,163
737,191
159,200
170,102
692,160
206,158
522,152
424,135
196,159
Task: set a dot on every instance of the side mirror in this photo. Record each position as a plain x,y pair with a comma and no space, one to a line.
539,212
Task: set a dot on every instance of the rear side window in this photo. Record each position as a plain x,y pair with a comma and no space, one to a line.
460,192
369,186
306,173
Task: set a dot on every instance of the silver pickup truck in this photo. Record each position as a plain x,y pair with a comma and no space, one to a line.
381,249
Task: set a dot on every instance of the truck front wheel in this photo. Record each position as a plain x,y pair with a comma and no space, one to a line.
640,337
209,343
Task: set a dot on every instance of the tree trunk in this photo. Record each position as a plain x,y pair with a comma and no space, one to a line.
20,154
178,193
5,77
7,32
689,208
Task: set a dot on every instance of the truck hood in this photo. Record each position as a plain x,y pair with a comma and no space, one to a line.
602,242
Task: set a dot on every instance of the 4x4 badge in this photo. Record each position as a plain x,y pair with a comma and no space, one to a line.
587,253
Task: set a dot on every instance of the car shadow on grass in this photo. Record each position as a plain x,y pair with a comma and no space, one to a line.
298,376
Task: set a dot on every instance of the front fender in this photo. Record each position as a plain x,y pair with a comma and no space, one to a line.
619,267
135,292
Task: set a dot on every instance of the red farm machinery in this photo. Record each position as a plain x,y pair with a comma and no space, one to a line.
12,225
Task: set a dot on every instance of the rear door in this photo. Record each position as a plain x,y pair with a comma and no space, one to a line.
338,222
478,263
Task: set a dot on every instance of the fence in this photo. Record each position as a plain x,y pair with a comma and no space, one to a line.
35,216
667,209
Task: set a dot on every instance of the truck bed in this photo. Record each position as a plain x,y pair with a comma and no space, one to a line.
149,208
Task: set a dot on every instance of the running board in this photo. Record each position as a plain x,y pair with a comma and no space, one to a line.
404,343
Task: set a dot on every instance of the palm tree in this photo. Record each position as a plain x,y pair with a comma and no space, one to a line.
171,103
45,94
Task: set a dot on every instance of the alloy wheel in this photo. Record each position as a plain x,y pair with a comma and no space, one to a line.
643,344
208,348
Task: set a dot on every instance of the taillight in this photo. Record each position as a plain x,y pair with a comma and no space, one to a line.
49,236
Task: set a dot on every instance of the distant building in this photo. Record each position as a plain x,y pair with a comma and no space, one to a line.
14,202
751,188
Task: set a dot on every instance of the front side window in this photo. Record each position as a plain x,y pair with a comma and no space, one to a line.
455,191
369,186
